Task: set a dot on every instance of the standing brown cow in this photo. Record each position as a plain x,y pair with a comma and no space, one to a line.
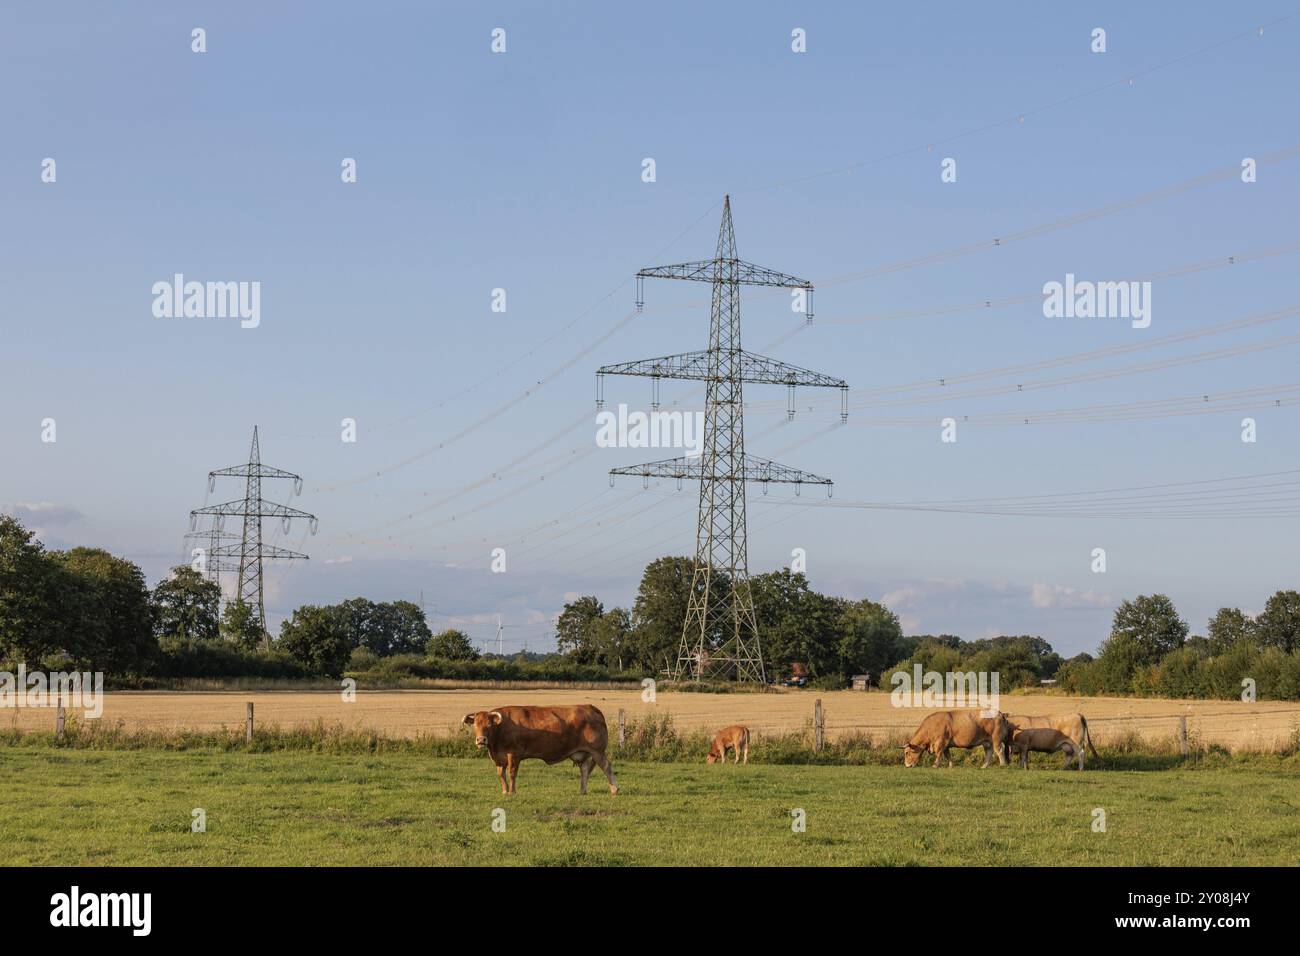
512,734
736,737
958,728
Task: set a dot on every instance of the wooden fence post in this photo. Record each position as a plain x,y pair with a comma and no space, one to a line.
58,722
248,734
622,726
1182,736
819,726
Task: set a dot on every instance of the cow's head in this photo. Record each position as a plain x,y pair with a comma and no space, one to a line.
713,756
1003,732
484,723
912,754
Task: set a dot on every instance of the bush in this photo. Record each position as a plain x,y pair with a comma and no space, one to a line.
413,666
193,657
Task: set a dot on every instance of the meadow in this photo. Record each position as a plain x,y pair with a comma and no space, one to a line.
85,806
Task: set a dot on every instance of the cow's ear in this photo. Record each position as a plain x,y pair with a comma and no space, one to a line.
468,719
496,716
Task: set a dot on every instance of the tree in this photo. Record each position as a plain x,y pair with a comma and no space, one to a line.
795,623
611,638
453,645
1118,663
186,605
30,595
1228,626
1151,624
397,627
573,634
870,638
108,615
317,637
660,612
1279,625
239,626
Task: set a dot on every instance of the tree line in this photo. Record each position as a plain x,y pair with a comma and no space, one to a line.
87,609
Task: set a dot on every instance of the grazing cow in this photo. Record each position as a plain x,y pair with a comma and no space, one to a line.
736,737
1043,740
512,734
1074,726
957,728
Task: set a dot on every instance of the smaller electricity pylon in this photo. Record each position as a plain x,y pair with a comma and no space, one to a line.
251,509
204,557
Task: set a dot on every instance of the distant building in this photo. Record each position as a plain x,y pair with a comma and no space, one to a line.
861,681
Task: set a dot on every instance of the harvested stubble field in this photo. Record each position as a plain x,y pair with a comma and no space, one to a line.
1232,725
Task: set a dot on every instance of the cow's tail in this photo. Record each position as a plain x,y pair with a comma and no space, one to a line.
1087,737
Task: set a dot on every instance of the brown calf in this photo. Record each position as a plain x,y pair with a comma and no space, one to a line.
736,737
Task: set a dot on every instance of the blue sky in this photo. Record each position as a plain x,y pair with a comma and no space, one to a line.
522,171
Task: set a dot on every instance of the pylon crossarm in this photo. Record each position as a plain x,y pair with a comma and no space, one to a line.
725,270
268,551
768,371
263,509
751,368
254,471
690,366
752,469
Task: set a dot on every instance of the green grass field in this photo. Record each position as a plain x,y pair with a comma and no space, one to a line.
106,807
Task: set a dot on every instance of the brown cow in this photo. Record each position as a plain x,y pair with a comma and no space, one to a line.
1074,726
1043,740
966,729
736,737
512,734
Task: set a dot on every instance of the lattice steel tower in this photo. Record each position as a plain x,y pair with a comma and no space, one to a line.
720,634
250,550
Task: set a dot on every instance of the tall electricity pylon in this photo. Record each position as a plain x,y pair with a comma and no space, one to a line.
720,634
250,551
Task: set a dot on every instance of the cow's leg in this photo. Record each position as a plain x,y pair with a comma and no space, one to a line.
746,750
584,769
501,775
608,769
1071,751
988,751
512,766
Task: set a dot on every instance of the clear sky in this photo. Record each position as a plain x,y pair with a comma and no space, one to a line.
522,170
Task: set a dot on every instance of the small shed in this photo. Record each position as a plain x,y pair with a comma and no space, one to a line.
860,681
